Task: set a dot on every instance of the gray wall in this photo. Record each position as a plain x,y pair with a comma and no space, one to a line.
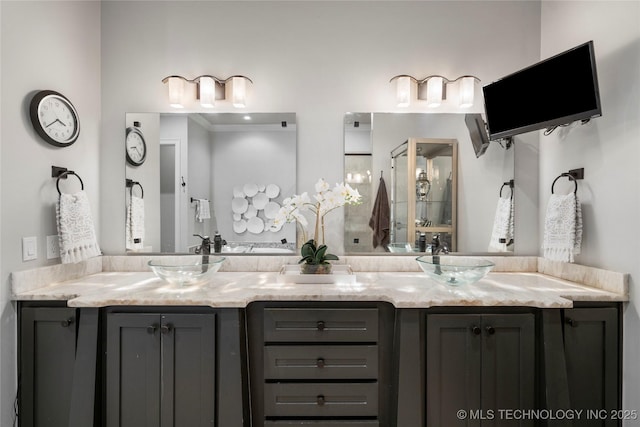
607,148
44,45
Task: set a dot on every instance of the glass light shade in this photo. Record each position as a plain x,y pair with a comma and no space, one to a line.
176,92
239,92
404,91
435,86
466,92
207,92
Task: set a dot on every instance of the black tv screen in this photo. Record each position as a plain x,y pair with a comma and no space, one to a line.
557,91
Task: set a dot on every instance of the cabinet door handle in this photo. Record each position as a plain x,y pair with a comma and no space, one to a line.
320,400
320,325
151,329
320,362
490,330
569,321
476,330
165,329
67,323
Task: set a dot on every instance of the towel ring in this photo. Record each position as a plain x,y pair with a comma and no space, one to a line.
141,189
64,175
571,178
510,185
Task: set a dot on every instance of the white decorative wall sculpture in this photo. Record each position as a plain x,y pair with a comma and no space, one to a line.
254,208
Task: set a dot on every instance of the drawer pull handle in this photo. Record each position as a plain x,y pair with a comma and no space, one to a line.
570,322
67,323
320,363
490,330
476,330
320,325
320,400
151,329
165,329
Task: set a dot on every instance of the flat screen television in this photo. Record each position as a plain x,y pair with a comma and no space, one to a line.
557,91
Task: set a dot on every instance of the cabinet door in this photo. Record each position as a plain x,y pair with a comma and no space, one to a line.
479,364
508,366
188,370
453,361
47,357
593,380
133,370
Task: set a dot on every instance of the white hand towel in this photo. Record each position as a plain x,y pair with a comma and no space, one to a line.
562,228
75,228
202,210
135,223
502,233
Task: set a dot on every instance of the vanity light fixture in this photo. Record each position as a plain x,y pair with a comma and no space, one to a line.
433,89
209,89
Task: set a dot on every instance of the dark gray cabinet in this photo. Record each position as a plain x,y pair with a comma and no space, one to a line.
479,363
160,370
591,347
316,364
47,357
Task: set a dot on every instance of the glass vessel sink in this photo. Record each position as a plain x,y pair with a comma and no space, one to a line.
454,270
187,270
400,247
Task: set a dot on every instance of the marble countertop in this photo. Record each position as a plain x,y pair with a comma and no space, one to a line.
403,289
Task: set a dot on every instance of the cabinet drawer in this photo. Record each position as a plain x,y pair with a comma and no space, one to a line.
321,362
320,400
320,325
315,423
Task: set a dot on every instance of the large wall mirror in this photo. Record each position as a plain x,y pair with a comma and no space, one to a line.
434,180
207,173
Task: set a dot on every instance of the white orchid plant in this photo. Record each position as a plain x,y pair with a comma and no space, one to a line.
324,201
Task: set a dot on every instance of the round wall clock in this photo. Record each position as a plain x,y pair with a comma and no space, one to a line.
136,148
54,118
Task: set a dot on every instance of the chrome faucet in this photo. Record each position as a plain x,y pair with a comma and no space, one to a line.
205,246
437,247
205,250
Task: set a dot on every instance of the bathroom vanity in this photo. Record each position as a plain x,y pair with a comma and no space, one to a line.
115,346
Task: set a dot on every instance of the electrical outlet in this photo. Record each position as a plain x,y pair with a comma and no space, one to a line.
53,247
29,248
